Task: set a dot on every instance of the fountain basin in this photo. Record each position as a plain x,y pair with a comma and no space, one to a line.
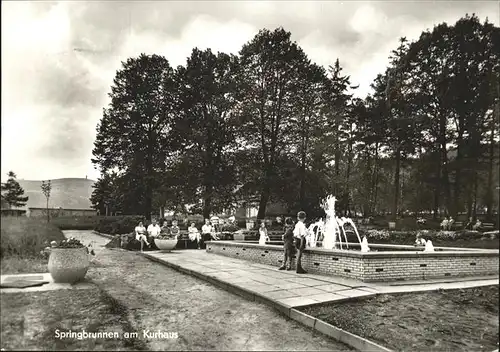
382,263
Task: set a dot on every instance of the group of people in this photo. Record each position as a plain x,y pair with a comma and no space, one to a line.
447,224
147,236
294,238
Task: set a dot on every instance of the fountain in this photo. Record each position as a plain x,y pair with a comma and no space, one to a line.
381,262
331,228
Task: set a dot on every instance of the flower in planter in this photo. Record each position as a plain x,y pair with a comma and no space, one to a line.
67,243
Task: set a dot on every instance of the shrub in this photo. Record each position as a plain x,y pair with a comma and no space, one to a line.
377,234
26,237
118,225
230,228
76,222
445,235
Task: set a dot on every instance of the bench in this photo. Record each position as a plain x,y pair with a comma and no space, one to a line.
184,238
457,225
488,226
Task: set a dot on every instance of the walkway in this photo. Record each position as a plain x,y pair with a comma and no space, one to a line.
287,289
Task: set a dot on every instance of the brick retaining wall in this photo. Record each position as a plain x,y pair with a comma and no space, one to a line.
373,266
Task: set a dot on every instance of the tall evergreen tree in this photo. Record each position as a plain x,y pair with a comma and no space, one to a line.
12,192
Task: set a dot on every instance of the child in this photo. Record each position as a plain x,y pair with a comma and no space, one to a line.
194,235
174,230
419,241
288,245
300,233
263,234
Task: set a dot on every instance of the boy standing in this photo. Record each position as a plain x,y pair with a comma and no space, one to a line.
300,233
288,245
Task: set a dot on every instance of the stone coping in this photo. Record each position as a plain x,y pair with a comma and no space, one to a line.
355,341
442,251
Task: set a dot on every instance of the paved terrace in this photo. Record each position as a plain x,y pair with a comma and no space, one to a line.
287,289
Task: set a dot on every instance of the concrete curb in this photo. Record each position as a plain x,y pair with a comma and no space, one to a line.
355,341
352,340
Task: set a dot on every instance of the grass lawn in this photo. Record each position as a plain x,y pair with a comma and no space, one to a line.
31,320
452,320
21,240
19,265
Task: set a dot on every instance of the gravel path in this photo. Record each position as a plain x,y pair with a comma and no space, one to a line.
204,316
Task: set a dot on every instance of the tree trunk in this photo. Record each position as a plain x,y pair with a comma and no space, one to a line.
474,202
396,184
491,161
207,201
264,199
437,188
48,212
302,192
348,176
375,181
458,177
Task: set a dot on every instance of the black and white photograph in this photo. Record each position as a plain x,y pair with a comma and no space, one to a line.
241,175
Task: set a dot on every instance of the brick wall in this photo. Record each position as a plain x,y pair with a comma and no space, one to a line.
372,266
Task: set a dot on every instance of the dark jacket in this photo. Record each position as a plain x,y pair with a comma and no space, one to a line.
288,237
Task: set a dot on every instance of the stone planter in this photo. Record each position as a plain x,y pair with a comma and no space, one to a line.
165,245
68,265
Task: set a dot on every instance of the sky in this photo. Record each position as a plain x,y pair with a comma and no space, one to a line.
59,59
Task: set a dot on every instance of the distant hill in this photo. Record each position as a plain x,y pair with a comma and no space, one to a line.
68,193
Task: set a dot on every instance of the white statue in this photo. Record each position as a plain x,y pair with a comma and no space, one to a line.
364,245
428,246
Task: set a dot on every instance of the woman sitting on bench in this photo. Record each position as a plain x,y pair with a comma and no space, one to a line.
140,235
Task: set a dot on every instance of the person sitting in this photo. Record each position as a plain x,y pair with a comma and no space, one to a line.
419,241
165,230
450,223
140,235
477,225
194,234
444,224
175,230
206,231
470,224
153,231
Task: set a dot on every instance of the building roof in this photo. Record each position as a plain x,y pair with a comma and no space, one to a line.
86,209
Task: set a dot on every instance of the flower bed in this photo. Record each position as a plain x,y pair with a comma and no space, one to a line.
408,237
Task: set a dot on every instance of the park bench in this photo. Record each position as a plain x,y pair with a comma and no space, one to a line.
457,225
488,226
183,237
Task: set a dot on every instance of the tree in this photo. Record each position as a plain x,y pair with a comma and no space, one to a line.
13,192
270,66
132,136
309,121
46,189
205,126
106,196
